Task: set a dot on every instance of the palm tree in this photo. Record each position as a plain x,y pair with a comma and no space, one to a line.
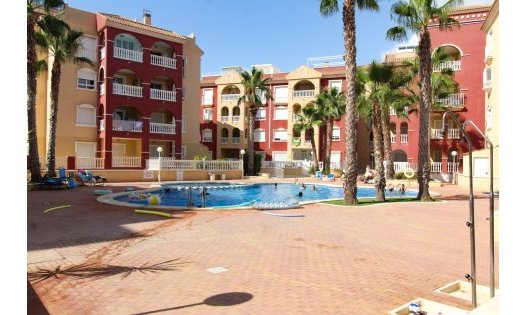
332,108
255,89
415,16
34,6
307,119
62,43
329,8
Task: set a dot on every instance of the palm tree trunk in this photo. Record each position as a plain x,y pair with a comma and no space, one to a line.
378,154
314,153
388,156
351,137
250,149
53,113
424,167
327,159
33,163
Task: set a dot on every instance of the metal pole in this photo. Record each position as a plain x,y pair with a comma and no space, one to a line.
491,212
471,223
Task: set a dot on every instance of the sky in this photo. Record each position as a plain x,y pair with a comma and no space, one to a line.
245,33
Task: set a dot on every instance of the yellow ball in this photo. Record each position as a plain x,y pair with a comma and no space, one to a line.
154,200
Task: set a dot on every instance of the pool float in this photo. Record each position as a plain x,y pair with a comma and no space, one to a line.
130,189
409,173
55,208
102,191
154,200
162,214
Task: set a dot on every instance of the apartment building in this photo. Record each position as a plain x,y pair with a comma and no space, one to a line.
223,122
138,95
465,47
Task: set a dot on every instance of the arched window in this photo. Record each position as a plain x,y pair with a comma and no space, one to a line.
86,115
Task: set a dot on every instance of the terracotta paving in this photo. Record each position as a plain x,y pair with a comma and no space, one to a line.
335,260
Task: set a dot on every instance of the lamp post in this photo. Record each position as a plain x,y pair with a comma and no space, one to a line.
159,149
242,152
454,167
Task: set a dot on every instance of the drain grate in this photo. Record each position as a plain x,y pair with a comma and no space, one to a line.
217,269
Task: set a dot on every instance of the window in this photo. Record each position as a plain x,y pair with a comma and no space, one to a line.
259,135
86,115
208,98
207,114
88,49
183,152
281,94
280,135
335,84
279,156
207,135
281,113
336,134
261,114
85,149
156,85
183,124
86,79
124,43
335,156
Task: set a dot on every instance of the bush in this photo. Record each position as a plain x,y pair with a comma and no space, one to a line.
257,163
312,170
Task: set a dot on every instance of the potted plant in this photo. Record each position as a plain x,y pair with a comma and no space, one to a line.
312,171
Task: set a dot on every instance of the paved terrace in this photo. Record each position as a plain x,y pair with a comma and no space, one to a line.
360,260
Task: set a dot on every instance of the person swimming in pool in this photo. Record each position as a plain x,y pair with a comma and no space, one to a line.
313,188
300,194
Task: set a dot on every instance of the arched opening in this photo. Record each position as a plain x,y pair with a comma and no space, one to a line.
404,129
303,88
101,75
447,57
371,139
126,82
127,118
230,93
399,156
236,134
127,47
224,114
236,112
162,49
296,110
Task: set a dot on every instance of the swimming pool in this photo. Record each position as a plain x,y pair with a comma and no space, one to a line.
224,195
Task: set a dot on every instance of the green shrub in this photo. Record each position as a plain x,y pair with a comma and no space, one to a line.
257,163
312,170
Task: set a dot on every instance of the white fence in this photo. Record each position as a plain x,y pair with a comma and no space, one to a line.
168,163
89,163
230,97
163,61
128,90
163,95
127,54
126,161
452,167
402,166
162,128
403,138
282,164
436,167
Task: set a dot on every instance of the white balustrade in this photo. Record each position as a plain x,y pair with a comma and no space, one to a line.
102,124
163,61
235,140
103,53
402,166
436,134
224,140
455,65
393,138
453,133
89,163
453,100
126,161
163,95
452,167
169,163
224,119
128,90
235,119
403,138
162,128
127,125
282,164
230,97
308,141
303,93
436,167
127,54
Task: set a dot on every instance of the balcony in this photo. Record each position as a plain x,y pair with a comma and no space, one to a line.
163,95
235,140
127,54
126,161
224,140
162,128
127,90
163,61
403,138
127,125
89,163
454,100
224,119
393,138
452,167
436,134
303,93
235,119
455,65
230,97
436,167
453,133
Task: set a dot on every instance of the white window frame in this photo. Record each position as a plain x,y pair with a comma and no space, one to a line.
281,108
334,153
336,81
157,83
204,100
280,153
280,139
207,139
183,124
87,75
94,144
113,145
261,110
281,100
211,111
339,134
262,135
94,116
183,152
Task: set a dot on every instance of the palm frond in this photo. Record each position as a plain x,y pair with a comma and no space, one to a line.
329,8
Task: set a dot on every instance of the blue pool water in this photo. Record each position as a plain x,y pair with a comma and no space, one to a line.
229,194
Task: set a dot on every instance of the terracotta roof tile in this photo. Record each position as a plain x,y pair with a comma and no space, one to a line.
124,21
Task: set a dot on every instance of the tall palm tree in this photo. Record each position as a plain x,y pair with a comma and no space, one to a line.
332,108
255,89
62,43
415,16
34,6
307,119
329,8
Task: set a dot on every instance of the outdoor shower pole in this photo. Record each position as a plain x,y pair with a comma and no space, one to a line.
491,212
471,223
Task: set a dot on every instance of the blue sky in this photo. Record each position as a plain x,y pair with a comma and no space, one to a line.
240,32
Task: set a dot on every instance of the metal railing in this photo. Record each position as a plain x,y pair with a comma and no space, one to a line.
168,163
127,54
163,95
163,61
303,93
126,161
127,125
162,128
455,65
89,163
128,90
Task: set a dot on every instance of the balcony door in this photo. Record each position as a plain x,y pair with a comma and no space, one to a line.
85,149
118,149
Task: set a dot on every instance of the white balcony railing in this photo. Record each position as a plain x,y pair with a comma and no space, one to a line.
127,54
168,163
452,167
127,125
403,138
103,53
89,163
163,61
102,89
453,100
455,65
102,125
235,140
303,93
393,138
224,140
162,128
436,167
336,165
282,164
89,53
127,90
224,119
453,133
402,166
307,142
230,97
436,134
163,95
126,161
235,119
